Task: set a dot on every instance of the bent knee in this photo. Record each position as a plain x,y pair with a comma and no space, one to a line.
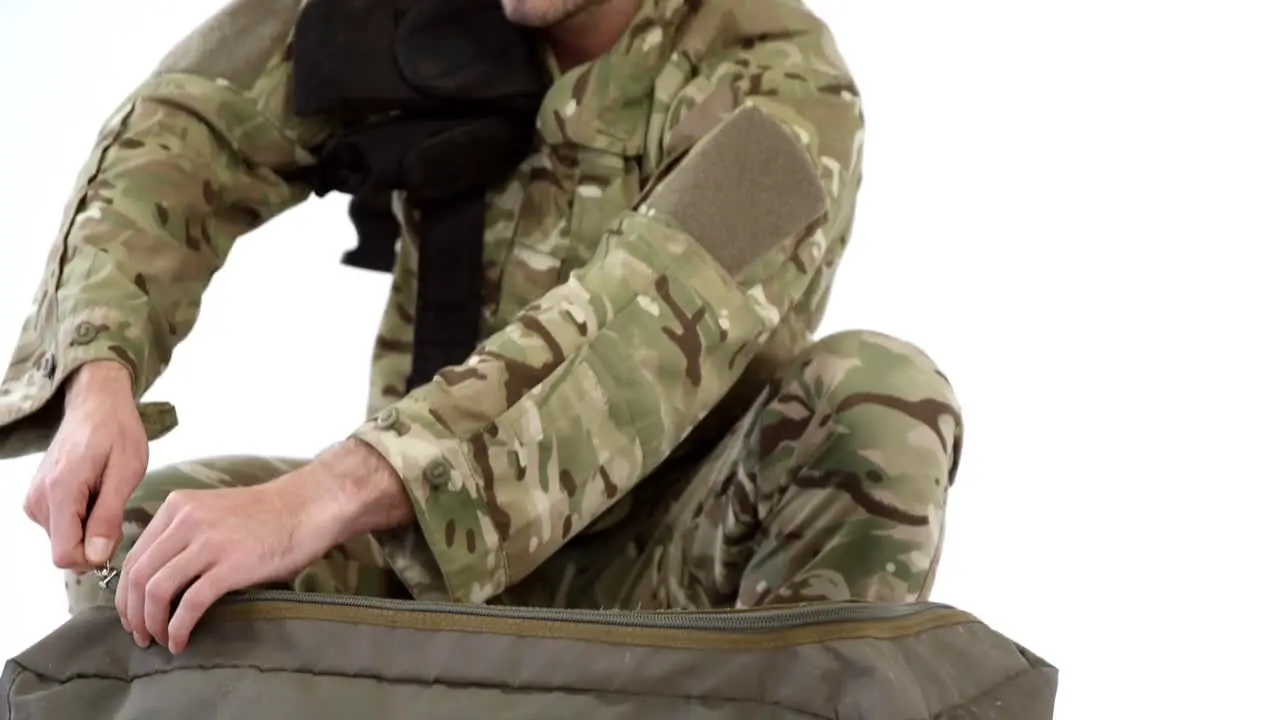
887,403
870,361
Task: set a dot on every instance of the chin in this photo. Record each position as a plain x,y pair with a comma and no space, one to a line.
528,13
544,13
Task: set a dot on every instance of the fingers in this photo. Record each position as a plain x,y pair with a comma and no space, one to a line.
208,543
162,589
66,508
152,582
106,520
196,601
157,579
132,585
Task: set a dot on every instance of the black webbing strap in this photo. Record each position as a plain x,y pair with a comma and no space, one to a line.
465,85
446,316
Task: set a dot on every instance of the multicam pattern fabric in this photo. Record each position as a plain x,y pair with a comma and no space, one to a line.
649,421
832,487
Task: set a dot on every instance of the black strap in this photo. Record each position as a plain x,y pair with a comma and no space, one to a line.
446,326
465,85
377,231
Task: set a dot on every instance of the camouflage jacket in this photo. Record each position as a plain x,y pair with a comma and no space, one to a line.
666,247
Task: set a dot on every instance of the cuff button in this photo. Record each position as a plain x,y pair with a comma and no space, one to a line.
437,473
387,419
85,332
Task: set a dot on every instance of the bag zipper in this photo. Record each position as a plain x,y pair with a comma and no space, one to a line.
898,618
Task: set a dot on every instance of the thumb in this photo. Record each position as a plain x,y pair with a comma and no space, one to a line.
106,518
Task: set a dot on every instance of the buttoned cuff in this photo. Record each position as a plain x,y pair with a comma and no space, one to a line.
31,406
454,544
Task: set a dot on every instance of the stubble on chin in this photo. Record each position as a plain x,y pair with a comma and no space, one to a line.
544,13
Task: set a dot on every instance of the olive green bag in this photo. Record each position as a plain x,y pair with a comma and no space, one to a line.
284,655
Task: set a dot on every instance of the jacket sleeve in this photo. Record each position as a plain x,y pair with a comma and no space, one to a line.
555,417
190,161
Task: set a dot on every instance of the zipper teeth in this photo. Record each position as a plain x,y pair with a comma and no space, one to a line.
775,618
753,619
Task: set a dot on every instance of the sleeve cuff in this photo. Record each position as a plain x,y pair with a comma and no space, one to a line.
30,399
454,550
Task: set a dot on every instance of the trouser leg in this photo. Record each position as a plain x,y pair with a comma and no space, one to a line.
833,487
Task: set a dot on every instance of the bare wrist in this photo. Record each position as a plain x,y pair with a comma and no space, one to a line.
363,492
97,377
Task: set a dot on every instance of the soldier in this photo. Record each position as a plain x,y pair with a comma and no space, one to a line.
648,421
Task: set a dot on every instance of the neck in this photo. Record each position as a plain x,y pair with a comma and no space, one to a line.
592,32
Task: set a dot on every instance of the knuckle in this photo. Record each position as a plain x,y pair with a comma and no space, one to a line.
156,593
62,487
180,499
137,584
129,459
200,548
210,547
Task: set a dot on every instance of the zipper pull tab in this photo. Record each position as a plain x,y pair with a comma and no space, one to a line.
108,575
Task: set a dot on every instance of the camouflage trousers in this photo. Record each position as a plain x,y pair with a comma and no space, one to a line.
833,486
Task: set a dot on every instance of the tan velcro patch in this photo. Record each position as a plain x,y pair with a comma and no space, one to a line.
744,189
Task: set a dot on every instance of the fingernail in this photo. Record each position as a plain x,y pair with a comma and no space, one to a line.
98,550
141,640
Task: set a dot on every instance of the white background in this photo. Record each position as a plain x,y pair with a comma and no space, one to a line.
1072,206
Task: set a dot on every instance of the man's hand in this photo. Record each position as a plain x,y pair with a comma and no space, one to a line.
212,542
96,460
